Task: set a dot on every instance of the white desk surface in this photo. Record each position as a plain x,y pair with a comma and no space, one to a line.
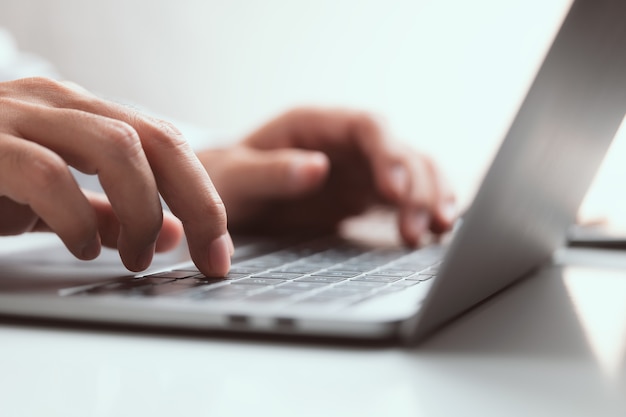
553,345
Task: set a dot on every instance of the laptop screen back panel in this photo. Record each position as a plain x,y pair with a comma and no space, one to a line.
544,167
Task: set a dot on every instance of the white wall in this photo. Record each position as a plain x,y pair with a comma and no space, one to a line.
447,74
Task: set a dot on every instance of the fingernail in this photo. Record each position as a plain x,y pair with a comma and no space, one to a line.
231,245
219,256
399,179
448,212
91,250
419,222
145,258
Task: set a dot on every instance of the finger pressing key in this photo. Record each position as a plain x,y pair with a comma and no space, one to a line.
184,184
136,157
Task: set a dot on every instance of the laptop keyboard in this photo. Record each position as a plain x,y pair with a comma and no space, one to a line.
305,274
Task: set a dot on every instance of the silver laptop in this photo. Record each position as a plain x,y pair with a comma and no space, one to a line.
341,288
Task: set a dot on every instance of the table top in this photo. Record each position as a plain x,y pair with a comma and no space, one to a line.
552,345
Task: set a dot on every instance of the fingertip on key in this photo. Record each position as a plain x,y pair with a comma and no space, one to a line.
91,250
219,255
144,259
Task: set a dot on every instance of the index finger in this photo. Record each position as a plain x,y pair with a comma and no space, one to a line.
182,181
186,187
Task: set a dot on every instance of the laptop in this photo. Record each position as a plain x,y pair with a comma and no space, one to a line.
337,287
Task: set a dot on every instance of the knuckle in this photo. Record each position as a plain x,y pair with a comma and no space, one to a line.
168,127
217,212
54,92
123,138
166,135
44,172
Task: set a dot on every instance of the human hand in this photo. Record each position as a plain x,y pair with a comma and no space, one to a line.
46,126
309,169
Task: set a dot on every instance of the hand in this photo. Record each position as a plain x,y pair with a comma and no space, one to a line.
309,169
46,126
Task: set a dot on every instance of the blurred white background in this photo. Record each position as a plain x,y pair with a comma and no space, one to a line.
447,75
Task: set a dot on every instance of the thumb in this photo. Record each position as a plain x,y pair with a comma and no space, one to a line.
279,173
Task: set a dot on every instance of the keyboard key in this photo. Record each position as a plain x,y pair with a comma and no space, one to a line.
288,255
361,264
330,273
345,267
321,279
355,268
136,287
412,268
389,272
299,268
377,278
278,275
202,280
247,270
233,275
258,281
145,280
109,288
177,274
416,278
365,284
260,266
319,264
